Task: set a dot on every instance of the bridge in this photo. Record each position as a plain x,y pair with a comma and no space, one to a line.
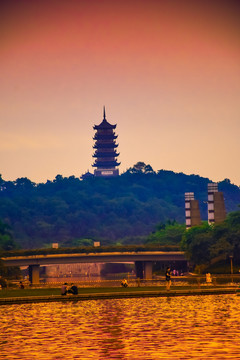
143,260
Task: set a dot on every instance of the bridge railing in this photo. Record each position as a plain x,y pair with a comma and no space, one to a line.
88,250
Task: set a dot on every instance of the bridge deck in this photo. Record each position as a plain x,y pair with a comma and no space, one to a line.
94,257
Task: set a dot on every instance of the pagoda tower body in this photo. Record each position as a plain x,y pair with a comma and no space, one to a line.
105,149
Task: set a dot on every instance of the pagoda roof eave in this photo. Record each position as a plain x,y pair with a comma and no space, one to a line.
105,146
105,137
106,164
104,125
106,154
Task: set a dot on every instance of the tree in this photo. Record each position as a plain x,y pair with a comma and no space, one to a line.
141,168
115,208
81,242
207,244
24,183
148,169
233,219
7,243
6,240
196,242
169,233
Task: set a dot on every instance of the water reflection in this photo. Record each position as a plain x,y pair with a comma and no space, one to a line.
196,327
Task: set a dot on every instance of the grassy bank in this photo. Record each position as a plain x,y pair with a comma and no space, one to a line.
11,293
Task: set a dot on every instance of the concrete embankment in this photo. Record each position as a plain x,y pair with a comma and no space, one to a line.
116,295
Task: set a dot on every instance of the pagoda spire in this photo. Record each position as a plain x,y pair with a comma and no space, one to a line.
104,113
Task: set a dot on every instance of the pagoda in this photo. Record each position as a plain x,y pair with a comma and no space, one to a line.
105,149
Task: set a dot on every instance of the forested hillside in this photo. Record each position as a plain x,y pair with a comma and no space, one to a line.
112,210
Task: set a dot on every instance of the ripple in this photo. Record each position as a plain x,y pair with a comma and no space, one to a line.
193,327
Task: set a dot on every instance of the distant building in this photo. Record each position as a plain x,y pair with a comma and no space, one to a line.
192,212
105,149
216,205
86,175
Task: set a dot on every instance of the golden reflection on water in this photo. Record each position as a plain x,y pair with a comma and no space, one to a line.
194,327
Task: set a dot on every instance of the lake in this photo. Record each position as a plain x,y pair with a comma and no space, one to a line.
192,327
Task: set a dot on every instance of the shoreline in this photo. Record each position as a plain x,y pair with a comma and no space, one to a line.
116,295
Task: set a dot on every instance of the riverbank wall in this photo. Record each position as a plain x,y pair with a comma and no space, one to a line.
116,295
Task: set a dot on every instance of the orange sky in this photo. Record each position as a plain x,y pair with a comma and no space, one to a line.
168,73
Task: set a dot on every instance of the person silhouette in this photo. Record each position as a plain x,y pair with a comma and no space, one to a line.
168,278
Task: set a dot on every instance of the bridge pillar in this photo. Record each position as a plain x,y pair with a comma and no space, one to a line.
139,269
148,270
33,271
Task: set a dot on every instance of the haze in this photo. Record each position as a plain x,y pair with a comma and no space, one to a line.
168,73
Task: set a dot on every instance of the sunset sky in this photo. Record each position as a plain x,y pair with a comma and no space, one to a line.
167,71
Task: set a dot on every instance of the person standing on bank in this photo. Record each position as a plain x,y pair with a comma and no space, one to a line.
168,278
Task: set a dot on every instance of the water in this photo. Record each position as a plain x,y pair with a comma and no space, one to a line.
193,327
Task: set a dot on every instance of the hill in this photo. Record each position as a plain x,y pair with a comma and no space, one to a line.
124,209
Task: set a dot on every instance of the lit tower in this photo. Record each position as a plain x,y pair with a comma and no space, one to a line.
192,212
216,206
105,144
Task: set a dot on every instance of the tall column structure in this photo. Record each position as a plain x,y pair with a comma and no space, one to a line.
192,212
144,269
148,265
34,274
216,205
139,269
105,149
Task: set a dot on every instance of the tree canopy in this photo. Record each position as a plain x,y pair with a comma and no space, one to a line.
169,233
6,239
208,244
7,243
112,210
